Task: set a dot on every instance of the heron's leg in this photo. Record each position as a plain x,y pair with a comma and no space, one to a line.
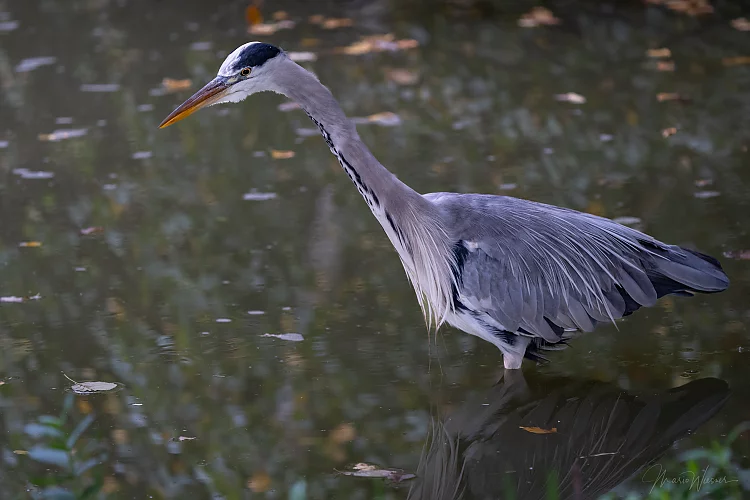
513,353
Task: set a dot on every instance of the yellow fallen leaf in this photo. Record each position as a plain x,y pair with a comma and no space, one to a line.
667,96
30,244
253,15
378,43
736,61
668,131
538,16
20,452
281,155
262,29
337,22
259,482
539,430
173,85
402,76
659,53
741,24
385,118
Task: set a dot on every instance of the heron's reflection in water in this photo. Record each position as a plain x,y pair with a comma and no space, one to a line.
602,436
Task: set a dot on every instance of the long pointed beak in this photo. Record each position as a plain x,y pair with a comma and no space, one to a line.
206,96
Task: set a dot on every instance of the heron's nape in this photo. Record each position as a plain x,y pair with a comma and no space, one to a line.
522,275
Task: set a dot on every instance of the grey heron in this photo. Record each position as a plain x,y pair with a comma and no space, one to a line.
519,274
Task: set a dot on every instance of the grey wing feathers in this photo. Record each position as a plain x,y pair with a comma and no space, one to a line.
538,269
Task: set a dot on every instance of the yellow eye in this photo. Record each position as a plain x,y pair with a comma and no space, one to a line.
245,71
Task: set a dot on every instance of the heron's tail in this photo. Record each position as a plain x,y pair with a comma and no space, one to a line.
681,271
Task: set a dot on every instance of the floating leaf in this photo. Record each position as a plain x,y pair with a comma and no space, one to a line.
316,19
669,96
538,16
89,387
292,337
302,56
185,438
172,85
571,97
539,430
736,61
401,76
706,194
659,53
280,15
739,254
33,174
344,433
20,452
253,15
336,22
62,134
385,119
281,155
255,196
665,66
259,482
265,29
33,63
100,87
668,131
372,471
378,43
741,24
91,230
627,220
30,244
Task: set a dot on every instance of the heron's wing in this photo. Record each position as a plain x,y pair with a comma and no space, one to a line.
539,269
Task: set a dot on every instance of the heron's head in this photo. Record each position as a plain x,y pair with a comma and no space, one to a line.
244,72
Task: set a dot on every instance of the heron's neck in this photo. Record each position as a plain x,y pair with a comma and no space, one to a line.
374,182
413,224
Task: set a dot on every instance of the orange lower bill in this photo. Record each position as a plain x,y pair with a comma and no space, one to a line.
206,96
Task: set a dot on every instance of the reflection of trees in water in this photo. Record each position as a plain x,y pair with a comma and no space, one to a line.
603,436
177,229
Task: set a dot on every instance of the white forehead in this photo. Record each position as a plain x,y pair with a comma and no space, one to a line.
231,60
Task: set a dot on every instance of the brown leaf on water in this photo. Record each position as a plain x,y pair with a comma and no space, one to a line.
402,76
665,65
281,155
372,471
62,134
386,119
173,85
316,19
538,16
30,244
265,29
539,430
253,15
91,230
377,43
741,24
668,96
280,15
344,433
736,61
659,53
336,22
668,132
259,482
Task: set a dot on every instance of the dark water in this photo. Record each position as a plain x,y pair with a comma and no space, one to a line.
158,294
